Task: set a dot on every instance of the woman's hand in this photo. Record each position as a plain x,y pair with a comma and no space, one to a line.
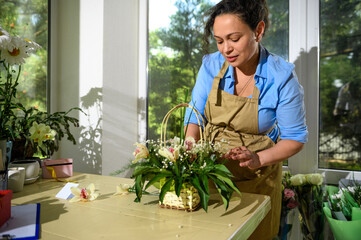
245,157
282,150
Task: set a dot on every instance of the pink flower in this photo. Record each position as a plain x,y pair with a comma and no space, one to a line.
292,203
288,193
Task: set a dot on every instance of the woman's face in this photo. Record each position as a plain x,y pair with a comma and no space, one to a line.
236,41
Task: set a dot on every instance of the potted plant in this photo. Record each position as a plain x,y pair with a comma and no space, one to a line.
31,130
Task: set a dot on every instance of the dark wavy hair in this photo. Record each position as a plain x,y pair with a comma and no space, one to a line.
249,11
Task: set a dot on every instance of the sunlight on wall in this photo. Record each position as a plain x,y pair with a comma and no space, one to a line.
91,82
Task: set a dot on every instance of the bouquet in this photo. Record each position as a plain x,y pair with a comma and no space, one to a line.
343,211
182,167
309,195
344,202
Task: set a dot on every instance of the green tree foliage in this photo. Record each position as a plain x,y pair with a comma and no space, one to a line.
340,39
175,55
276,37
29,19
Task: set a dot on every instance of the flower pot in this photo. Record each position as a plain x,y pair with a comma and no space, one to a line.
188,199
32,169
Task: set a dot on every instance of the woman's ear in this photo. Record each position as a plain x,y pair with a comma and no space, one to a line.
259,31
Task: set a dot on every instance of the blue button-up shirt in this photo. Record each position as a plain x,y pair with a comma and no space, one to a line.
281,95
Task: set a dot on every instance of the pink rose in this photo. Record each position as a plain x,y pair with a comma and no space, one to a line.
288,193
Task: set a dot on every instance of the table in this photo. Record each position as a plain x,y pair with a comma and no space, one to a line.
119,217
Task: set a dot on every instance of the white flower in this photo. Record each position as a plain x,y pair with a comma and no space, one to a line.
298,179
171,154
314,178
41,132
140,152
4,38
15,51
84,194
31,46
122,189
176,141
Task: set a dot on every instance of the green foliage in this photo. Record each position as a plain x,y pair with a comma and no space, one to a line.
175,55
29,19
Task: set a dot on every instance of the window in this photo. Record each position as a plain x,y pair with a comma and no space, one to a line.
323,40
29,19
340,85
175,53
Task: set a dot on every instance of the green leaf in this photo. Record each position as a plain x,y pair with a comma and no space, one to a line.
144,169
157,177
204,182
203,195
227,180
165,189
138,188
178,185
224,191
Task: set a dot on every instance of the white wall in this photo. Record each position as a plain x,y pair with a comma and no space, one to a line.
94,65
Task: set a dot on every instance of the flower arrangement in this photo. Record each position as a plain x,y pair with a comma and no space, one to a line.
25,126
182,169
309,195
345,201
343,211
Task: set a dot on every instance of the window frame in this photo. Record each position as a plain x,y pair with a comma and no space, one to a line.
304,33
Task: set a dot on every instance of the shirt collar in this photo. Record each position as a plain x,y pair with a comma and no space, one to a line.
261,70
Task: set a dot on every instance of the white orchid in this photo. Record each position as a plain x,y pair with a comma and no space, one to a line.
170,153
41,132
122,189
84,194
140,152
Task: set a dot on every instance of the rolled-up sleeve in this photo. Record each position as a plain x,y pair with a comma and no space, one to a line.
290,112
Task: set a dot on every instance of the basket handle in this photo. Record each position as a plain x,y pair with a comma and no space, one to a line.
166,117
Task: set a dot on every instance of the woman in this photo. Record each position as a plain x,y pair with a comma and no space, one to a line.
252,103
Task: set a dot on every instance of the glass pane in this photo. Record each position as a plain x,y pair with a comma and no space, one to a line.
175,53
276,37
340,85
28,19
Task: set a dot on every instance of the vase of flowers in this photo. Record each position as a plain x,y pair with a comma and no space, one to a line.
182,170
31,130
343,211
309,195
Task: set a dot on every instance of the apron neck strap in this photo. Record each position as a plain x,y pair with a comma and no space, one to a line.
220,75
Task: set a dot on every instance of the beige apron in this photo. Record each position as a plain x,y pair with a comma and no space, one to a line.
235,119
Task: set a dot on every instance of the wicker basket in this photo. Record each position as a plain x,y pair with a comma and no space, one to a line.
189,199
